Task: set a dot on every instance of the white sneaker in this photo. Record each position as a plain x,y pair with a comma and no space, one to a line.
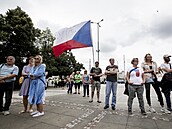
6,113
33,113
162,109
167,112
151,109
38,114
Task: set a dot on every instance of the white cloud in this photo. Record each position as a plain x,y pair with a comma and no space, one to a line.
130,27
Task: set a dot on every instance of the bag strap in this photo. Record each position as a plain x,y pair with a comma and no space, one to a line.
132,70
2,66
170,65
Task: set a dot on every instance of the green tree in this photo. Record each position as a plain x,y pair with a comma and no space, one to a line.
17,35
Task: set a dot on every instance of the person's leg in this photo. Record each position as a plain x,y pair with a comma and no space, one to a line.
159,94
131,91
147,87
2,90
98,91
92,91
168,99
75,88
87,87
79,87
8,95
25,103
71,86
84,90
139,91
108,91
114,89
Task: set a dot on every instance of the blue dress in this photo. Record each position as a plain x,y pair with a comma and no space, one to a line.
37,85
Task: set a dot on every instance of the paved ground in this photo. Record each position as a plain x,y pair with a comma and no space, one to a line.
64,111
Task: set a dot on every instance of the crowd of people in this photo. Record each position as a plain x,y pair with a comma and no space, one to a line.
32,89
137,79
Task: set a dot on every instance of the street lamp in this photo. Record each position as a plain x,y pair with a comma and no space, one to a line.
98,49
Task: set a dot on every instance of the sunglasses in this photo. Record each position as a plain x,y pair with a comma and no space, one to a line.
36,58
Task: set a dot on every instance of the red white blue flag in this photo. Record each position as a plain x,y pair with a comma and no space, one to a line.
78,36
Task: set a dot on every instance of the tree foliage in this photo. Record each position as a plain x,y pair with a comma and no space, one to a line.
17,35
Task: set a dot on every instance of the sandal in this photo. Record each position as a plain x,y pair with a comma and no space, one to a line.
23,111
30,111
91,101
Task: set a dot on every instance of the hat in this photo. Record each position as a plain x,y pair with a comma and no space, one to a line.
166,56
96,62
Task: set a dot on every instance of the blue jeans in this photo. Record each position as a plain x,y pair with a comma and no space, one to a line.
111,86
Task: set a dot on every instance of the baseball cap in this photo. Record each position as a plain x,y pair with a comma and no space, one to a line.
96,62
166,56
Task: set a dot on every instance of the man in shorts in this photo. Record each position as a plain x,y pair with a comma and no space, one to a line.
95,73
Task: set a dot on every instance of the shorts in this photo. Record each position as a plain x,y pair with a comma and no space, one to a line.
96,84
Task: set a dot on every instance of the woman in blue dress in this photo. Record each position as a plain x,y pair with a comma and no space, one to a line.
37,86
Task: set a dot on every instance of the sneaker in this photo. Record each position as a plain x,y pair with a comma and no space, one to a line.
113,108
99,101
6,113
143,113
90,101
74,93
38,114
107,106
151,109
33,113
167,111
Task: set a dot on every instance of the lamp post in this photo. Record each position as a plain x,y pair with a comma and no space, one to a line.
98,49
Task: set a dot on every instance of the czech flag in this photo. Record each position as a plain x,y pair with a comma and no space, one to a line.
78,36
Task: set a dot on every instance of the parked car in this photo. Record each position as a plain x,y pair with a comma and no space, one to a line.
122,81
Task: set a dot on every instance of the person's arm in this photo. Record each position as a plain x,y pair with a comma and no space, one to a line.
39,72
107,72
143,78
23,71
83,79
91,72
165,69
13,74
128,78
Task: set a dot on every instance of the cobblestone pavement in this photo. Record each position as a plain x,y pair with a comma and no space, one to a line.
65,111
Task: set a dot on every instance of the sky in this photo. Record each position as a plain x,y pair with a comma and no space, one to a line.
131,28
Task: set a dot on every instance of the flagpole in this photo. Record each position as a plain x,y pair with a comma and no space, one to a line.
93,54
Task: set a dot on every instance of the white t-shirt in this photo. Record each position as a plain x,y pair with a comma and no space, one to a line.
136,75
165,65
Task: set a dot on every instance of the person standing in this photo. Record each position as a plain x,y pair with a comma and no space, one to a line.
150,70
25,85
96,73
166,67
8,73
85,81
37,86
77,82
111,83
71,82
135,78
